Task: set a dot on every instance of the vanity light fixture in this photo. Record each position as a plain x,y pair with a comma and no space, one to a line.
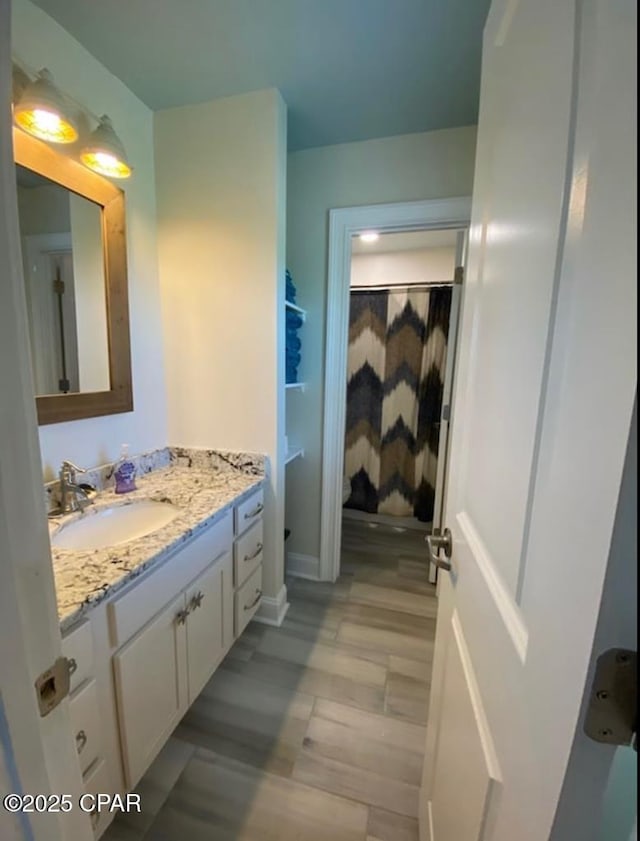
104,152
42,112
369,236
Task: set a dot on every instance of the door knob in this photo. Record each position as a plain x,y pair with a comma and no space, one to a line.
437,541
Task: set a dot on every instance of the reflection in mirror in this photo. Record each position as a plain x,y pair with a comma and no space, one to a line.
64,276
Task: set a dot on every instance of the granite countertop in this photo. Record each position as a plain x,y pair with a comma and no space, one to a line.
85,578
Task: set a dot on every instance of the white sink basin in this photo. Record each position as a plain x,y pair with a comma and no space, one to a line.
115,525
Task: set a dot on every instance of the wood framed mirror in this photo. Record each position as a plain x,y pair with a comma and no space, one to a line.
72,227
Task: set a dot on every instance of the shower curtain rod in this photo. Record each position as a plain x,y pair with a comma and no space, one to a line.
416,287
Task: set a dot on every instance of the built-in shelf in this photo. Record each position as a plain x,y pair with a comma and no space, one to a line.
294,452
295,308
301,386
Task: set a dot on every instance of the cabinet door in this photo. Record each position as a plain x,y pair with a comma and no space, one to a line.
210,623
151,687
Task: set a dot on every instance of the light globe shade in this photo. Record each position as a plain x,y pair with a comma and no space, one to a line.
104,152
42,112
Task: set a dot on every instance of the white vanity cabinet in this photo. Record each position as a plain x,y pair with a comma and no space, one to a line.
142,656
160,671
163,669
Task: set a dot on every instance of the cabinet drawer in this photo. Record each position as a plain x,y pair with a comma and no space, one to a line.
247,553
77,646
248,512
132,610
248,600
85,720
97,781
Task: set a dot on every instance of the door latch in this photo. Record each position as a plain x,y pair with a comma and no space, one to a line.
613,707
52,686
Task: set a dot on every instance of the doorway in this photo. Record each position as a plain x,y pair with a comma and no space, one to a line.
394,298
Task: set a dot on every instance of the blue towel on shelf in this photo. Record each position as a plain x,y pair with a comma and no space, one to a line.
290,293
293,320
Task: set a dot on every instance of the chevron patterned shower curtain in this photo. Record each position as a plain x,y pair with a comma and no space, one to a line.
397,355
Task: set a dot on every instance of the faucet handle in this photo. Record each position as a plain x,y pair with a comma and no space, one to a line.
69,468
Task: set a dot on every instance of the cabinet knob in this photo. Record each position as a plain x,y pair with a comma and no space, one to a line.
196,601
181,616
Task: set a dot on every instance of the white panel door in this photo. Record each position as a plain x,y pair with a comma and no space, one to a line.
543,401
37,755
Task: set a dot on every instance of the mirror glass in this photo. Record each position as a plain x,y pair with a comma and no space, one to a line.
64,276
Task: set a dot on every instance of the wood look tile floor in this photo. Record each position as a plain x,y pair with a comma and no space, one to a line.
314,730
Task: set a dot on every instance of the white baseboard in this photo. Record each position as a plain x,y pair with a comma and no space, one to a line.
272,611
303,566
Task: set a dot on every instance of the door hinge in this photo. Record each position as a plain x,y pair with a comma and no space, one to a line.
458,275
52,686
612,714
446,412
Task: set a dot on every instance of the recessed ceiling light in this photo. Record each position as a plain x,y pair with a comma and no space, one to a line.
369,236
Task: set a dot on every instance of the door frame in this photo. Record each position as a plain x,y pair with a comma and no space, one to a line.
344,223
462,240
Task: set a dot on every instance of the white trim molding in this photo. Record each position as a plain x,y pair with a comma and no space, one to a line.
503,599
303,566
273,611
344,223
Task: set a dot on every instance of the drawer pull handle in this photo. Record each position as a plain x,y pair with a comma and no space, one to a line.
255,601
255,554
181,616
72,665
81,740
257,510
196,601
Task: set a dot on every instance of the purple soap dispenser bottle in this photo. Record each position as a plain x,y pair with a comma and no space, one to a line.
125,474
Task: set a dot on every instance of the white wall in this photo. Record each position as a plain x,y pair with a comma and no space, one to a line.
398,268
220,174
38,41
410,167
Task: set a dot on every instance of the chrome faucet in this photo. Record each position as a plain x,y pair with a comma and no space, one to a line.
73,495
